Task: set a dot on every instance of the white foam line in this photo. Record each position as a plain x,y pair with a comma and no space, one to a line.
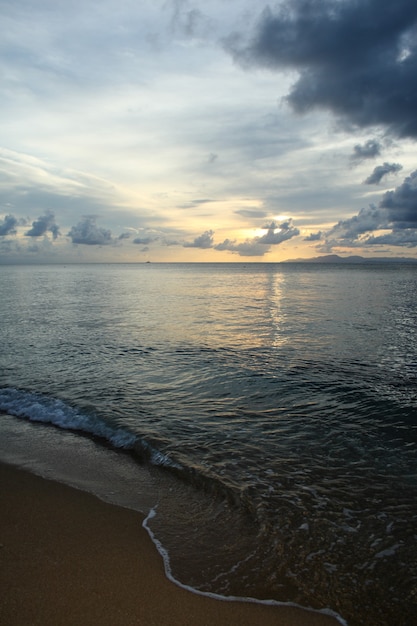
168,572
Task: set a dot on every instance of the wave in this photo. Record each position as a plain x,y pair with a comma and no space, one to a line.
37,407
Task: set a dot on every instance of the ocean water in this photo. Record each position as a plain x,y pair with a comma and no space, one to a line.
263,415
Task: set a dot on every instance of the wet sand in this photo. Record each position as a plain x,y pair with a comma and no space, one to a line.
67,558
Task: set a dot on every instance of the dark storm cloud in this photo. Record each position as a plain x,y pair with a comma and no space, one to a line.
8,227
368,150
401,203
204,241
397,211
356,58
86,232
382,170
44,224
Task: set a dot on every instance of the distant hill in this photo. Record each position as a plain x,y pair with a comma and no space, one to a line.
335,258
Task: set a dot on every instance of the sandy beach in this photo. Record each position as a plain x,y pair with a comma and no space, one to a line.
68,558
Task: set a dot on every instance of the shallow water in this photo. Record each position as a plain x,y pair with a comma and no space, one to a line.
272,409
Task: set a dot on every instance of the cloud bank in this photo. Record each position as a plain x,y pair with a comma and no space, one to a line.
396,213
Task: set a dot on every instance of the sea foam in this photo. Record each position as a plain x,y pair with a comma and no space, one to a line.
42,408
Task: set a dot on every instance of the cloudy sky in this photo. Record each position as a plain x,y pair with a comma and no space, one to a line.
229,130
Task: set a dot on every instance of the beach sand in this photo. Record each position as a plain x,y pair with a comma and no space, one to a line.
67,558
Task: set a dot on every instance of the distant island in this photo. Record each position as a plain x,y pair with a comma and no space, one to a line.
335,258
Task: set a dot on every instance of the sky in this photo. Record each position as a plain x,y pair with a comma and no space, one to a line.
221,131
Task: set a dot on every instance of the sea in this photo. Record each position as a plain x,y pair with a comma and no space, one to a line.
262,417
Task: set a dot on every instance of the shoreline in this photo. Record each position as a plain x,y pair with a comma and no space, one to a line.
67,557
